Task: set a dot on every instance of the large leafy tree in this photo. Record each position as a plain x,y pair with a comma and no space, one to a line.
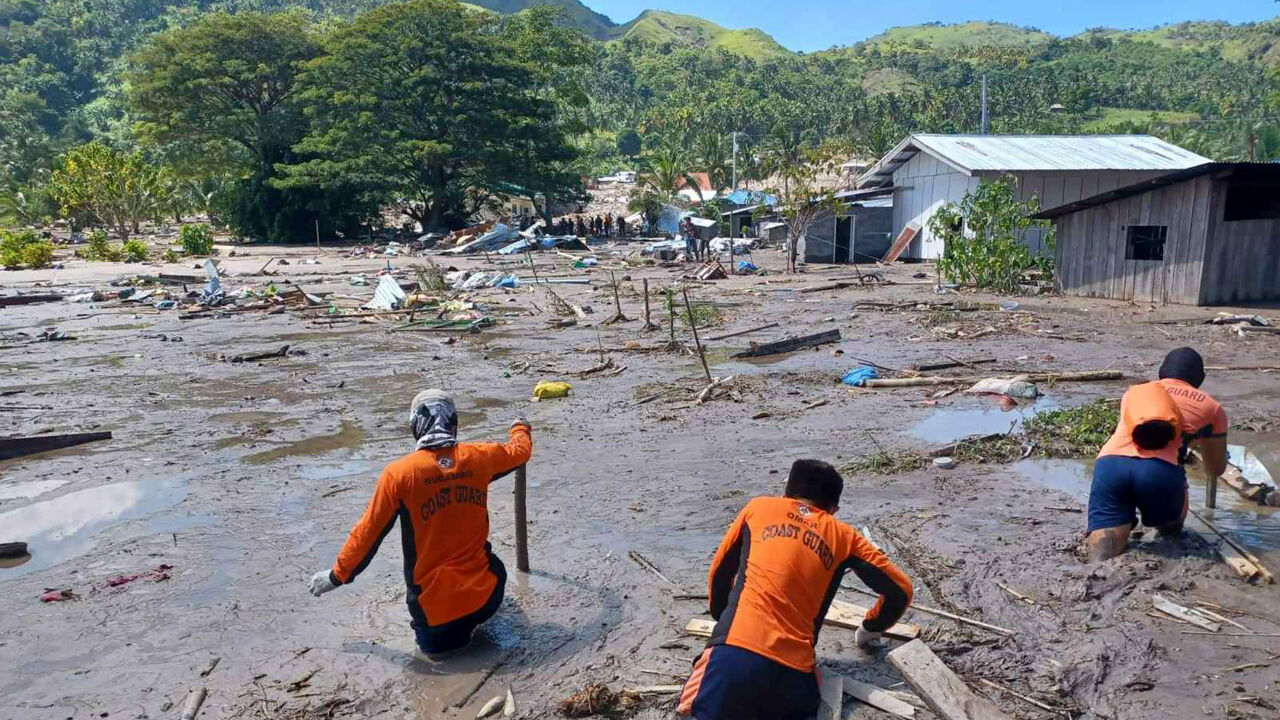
222,95
432,104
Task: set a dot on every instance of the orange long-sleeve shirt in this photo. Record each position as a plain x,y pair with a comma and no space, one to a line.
440,496
776,572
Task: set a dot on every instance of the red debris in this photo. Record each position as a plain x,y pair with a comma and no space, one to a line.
159,574
56,595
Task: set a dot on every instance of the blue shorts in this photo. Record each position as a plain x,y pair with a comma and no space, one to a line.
1123,485
730,683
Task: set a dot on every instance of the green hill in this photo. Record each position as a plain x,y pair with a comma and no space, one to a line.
582,17
937,36
1248,42
656,26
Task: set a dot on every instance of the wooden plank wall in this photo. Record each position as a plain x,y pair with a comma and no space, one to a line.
1091,246
1243,260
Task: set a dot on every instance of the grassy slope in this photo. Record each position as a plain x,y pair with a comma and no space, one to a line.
656,26
971,34
1250,41
589,21
1111,116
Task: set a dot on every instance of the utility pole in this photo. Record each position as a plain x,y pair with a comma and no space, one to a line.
984,104
734,134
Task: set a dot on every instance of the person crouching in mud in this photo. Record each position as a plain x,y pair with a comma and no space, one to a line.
1140,466
439,494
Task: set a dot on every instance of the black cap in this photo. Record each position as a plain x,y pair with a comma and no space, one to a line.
1183,364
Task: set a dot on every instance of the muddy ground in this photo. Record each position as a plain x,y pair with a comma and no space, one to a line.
245,478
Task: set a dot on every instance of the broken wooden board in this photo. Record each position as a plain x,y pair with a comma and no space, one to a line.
20,446
1247,570
831,694
878,697
848,615
942,690
841,614
1169,607
904,239
790,344
11,300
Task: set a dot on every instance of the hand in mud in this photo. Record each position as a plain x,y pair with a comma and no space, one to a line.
867,639
321,583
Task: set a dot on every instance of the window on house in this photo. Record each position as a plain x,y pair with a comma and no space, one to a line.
1252,202
1146,242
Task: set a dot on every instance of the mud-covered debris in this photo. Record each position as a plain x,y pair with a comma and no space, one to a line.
58,595
493,707
599,700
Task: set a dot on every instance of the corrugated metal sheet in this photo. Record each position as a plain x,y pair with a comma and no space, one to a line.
970,154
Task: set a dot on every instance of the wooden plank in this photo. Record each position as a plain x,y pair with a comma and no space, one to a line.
791,344
1165,605
942,690
848,615
1200,240
904,239
831,694
20,446
11,300
1234,560
878,697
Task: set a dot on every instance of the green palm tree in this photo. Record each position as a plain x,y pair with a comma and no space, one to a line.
668,170
714,158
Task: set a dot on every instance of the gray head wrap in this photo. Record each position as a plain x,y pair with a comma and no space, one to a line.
433,420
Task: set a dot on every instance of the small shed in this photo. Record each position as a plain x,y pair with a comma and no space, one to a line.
927,171
859,230
1208,235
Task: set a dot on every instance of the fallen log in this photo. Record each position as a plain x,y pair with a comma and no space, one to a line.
828,286
791,344
253,357
1085,376
21,446
940,688
10,300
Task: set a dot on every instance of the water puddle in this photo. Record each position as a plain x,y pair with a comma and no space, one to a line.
723,357
29,489
1253,526
350,436
951,424
64,527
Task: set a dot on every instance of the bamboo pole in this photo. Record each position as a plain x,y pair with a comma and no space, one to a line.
522,525
1084,376
1262,569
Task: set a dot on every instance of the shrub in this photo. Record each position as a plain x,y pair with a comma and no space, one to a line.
983,236
196,239
134,250
38,255
171,255
12,245
99,249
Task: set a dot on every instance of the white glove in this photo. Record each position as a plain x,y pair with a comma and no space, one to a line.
866,638
321,583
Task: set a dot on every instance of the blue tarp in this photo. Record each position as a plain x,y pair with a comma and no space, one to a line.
750,197
859,376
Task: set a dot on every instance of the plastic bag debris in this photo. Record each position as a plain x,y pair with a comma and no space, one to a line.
858,377
545,390
1015,387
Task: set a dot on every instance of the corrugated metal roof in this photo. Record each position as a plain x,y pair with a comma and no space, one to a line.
1036,153
1248,172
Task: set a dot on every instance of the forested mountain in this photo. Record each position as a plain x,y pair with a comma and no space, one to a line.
71,73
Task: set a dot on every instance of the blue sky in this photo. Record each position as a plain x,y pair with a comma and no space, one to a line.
818,24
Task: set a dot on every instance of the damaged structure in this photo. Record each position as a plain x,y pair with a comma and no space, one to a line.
1208,235
927,171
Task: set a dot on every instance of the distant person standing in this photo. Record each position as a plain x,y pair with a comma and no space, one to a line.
1140,468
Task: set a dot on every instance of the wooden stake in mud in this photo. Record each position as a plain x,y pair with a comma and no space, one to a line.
693,325
648,319
522,528
317,237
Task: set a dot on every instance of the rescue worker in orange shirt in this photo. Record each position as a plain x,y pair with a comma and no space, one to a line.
1140,468
439,495
771,582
